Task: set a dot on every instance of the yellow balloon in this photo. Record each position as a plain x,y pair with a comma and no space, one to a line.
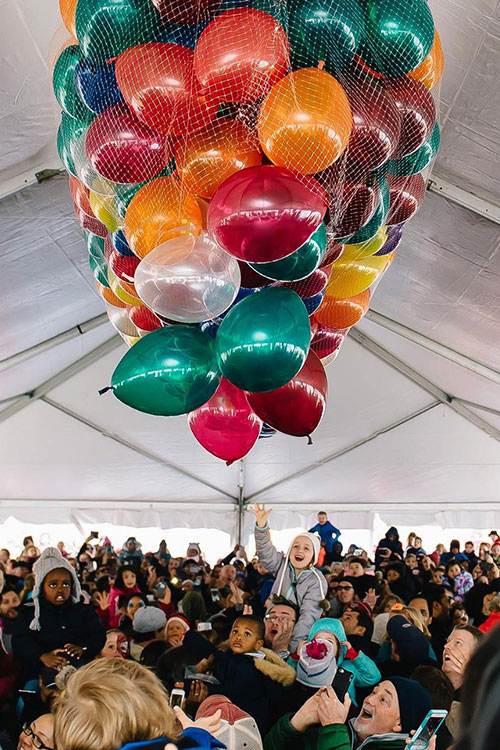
104,209
122,295
365,249
353,277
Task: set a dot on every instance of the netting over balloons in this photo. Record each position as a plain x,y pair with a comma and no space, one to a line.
242,172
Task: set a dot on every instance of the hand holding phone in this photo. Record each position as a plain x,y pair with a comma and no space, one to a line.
341,682
427,730
177,698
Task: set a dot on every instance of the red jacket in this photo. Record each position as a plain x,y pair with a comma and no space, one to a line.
492,622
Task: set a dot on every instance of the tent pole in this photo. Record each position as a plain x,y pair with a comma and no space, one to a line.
241,499
61,338
479,368
464,198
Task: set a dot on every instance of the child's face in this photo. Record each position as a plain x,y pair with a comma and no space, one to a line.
454,571
244,638
392,575
325,635
356,569
302,553
57,586
322,518
175,633
134,603
129,579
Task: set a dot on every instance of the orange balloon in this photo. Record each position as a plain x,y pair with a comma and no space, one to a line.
160,210
305,121
343,313
67,9
206,158
430,71
108,296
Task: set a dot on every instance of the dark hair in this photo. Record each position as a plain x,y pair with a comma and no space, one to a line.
437,685
399,567
124,599
451,562
365,621
151,654
119,584
358,559
322,513
171,666
253,620
433,594
454,544
282,602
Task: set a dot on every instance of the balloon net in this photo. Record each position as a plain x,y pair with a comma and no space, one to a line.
216,147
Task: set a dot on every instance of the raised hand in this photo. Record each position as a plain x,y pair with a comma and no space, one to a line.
261,514
307,715
330,709
54,659
102,599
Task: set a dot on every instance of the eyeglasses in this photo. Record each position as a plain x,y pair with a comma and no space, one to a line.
36,740
278,618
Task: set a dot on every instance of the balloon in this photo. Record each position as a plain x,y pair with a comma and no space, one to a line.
326,340
168,372
407,195
63,81
97,85
144,319
264,213
81,196
326,30
343,313
104,209
160,210
61,40
371,229
119,319
398,35
108,295
297,407
188,279
105,30
250,278
208,157
431,70
394,237
419,159
299,264
123,266
356,251
241,54
312,303
123,196
417,110
352,207
123,291
226,425
349,278
263,341
305,121
158,83
122,149
95,246
85,171
99,269
311,286
333,251
120,243
67,10
188,12
91,224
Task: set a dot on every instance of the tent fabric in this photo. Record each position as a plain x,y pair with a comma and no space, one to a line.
85,458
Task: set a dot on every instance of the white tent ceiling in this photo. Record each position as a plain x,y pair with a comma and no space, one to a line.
412,430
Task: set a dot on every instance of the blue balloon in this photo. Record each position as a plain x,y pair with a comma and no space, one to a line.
97,85
176,33
119,242
312,303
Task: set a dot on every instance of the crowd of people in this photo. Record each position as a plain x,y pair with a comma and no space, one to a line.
318,648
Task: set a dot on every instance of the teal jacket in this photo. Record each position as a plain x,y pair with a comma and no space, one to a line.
334,737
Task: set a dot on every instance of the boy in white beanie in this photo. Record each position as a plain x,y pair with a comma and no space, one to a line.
55,628
296,577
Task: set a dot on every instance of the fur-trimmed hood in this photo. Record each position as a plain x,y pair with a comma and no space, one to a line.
276,668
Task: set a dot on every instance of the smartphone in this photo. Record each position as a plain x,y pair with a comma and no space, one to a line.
427,729
215,594
177,697
341,682
94,535
203,626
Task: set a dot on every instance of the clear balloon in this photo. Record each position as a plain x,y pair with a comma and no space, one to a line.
305,121
170,371
226,426
188,279
159,211
264,213
297,407
241,54
299,264
263,341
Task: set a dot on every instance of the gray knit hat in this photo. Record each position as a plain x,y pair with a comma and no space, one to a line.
51,559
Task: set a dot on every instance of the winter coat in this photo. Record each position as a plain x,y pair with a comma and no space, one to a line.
254,685
333,737
307,590
493,621
114,596
68,623
192,737
394,545
328,533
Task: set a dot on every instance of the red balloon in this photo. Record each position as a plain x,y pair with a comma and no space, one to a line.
297,407
352,207
417,110
311,285
143,318
123,266
108,247
157,81
121,148
333,251
188,13
91,224
81,196
406,196
241,54
226,425
326,340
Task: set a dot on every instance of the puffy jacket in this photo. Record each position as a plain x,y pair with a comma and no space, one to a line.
306,590
334,737
69,623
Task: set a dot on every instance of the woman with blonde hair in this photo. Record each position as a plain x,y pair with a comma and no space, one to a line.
416,618
110,703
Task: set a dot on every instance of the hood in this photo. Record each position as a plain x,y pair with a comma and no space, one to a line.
275,667
51,559
392,530
334,626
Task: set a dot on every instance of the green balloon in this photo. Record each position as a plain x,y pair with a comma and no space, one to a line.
263,341
398,35
419,160
95,245
100,270
69,132
63,81
328,30
170,371
106,28
378,218
299,264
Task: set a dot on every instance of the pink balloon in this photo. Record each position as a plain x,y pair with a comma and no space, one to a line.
226,426
311,285
265,213
406,196
121,148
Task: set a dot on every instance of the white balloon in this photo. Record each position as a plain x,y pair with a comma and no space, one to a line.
188,279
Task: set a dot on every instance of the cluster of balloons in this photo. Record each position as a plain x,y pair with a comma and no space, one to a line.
242,173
